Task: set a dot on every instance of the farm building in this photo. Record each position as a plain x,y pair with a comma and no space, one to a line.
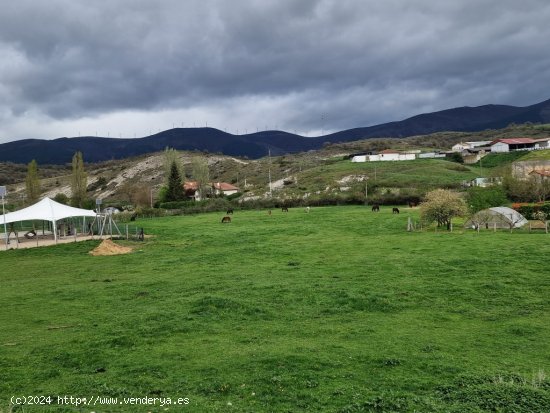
462,146
429,155
497,217
519,144
385,155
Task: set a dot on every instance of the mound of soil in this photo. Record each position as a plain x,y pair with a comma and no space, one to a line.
108,247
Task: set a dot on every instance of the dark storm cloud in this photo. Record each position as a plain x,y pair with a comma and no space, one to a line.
349,63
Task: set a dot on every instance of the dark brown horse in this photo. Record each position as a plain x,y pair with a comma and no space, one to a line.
284,209
226,220
375,208
229,211
395,211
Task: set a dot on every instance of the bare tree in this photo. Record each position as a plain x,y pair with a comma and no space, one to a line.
79,180
32,183
201,174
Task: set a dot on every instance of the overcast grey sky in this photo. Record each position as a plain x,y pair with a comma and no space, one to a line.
128,67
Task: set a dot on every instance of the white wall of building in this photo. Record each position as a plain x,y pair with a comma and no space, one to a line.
359,158
500,147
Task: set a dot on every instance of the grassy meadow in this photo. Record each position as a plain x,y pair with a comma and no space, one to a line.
338,310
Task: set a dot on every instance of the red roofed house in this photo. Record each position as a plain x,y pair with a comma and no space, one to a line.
223,188
192,191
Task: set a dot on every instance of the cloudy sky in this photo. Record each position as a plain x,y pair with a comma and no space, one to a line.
125,68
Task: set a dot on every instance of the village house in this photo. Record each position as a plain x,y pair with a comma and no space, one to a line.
192,191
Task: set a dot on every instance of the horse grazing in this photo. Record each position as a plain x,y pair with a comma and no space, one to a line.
375,208
284,209
226,220
395,211
230,211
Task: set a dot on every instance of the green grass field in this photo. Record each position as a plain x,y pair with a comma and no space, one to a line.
420,174
338,310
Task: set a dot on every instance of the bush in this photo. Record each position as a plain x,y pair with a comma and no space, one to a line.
61,198
101,182
234,196
529,211
177,204
456,157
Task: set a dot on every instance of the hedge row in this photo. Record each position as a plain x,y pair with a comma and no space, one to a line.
223,204
528,210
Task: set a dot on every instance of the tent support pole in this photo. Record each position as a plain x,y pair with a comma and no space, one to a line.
55,231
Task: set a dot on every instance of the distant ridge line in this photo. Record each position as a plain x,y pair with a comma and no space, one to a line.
257,144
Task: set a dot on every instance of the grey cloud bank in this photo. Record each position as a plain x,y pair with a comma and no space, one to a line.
129,68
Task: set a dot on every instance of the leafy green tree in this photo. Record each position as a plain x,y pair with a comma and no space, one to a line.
174,190
479,198
79,180
32,183
442,206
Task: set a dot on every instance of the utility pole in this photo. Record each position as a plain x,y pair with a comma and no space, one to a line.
366,190
2,195
270,188
480,166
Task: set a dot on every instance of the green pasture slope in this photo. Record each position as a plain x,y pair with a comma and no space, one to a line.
338,310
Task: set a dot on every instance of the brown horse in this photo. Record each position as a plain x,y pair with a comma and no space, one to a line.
229,211
226,220
375,208
395,211
284,209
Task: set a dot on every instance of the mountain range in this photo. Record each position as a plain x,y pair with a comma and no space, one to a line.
259,144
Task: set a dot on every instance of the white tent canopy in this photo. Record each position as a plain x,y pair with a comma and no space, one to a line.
46,210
